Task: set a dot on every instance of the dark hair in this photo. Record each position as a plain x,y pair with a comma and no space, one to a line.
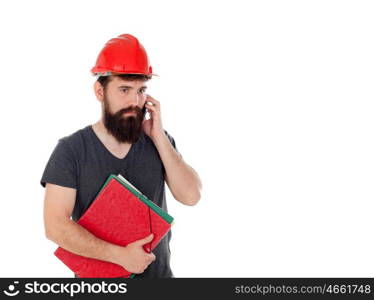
104,80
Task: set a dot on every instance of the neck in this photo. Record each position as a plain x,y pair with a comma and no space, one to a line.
105,136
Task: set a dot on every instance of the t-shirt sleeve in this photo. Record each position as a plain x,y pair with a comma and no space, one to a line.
61,168
172,141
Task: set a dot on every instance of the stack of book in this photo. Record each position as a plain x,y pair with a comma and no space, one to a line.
120,214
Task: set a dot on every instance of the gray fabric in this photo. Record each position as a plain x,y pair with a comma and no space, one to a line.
81,161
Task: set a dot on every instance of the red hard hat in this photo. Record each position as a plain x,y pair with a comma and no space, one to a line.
123,55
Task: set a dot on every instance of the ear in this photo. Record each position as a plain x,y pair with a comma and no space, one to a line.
99,91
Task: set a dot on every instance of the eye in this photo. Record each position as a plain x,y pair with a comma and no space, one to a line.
124,90
142,91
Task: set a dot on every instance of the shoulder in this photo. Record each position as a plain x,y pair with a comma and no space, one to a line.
76,136
171,139
76,141
146,139
168,134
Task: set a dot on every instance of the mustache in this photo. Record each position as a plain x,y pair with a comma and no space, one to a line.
136,109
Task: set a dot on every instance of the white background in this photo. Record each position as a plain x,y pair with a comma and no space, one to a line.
270,101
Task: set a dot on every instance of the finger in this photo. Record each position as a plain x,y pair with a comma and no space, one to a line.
150,104
152,110
151,259
153,100
150,107
146,240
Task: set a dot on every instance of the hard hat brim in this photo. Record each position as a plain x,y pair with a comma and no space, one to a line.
108,73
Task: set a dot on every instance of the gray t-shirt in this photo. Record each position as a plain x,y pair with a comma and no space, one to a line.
81,161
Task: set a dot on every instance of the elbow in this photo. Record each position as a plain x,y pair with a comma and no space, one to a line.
193,198
52,230
191,195
48,232
193,201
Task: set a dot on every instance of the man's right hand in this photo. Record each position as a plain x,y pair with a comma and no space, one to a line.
133,257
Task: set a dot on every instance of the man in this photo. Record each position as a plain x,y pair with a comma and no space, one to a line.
122,141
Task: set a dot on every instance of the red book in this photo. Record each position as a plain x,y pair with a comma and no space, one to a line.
120,214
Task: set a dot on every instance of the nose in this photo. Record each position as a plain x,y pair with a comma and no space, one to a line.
135,100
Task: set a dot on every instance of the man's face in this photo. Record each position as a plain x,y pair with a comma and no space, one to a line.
124,109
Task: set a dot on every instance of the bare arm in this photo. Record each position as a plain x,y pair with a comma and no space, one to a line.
59,228
183,180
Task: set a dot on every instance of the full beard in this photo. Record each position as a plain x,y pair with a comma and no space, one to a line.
125,129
